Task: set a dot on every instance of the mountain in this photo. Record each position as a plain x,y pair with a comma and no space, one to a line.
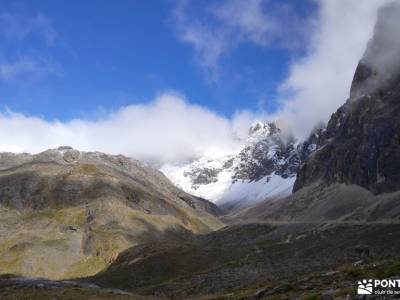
66,213
339,226
362,141
354,173
265,167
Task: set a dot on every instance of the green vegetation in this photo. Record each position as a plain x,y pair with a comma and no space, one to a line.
384,269
64,294
311,296
340,283
88,265
72,219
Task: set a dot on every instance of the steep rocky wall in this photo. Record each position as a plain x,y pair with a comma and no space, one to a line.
362,142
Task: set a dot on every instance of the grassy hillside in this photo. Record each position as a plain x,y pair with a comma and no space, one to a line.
65,218
244,257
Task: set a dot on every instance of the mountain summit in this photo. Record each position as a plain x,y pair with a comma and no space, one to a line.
354,172
265,167
362,143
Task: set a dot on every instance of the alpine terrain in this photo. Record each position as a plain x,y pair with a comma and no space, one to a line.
289,219
265,167
65,213
338,226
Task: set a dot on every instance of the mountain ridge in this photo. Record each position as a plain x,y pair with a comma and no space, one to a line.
361,144
66,213
265,167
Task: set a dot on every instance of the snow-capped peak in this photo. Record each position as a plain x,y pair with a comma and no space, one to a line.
261,129
265,167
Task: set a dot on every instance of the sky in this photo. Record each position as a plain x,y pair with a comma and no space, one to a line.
68,59
172,80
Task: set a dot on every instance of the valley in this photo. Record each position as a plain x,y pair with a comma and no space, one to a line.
278,218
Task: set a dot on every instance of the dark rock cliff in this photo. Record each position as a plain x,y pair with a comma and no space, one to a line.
361,144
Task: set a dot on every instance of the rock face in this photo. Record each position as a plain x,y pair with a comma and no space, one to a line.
66,213
265,167
361,144
269,152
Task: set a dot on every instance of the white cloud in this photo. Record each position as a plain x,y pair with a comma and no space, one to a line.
221,27
27,68
320,82
167,130
209,43
382,55
18,66
19,26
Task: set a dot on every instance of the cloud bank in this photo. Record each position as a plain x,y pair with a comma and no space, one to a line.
168,130
319,81
171,130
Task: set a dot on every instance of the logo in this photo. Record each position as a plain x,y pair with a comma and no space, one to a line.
378,287
365,287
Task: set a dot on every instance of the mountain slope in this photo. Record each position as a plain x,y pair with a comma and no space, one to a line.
65,213
340,225
265,167
239,261
316,204
354,174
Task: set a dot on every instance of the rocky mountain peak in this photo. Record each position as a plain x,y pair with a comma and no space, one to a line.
262,129
361,144
66,155
380,64
265,167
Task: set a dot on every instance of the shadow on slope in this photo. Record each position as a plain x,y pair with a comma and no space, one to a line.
324,203
241,256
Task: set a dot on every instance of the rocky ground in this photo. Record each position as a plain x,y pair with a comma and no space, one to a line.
253,261
337,283
239,260
18,288
324,203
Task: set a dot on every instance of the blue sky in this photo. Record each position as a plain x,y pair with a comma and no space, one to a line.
170,80
77,59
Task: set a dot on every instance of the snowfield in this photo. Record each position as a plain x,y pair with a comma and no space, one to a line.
265,167
225,190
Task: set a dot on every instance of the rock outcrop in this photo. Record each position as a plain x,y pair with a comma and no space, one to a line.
361,144
265,167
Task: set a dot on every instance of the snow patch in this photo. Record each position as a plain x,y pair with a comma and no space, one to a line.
271,186
263,167
224,190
